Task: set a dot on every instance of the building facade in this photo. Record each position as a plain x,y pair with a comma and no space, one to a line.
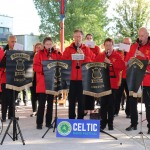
28,41
6,27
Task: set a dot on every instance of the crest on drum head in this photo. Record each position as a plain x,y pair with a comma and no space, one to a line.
20,65
96,74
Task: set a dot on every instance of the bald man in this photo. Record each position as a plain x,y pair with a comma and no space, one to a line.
143,53
127,41
11,41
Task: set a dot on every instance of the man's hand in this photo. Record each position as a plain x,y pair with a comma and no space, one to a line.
107,60
139,53
80,51
56,48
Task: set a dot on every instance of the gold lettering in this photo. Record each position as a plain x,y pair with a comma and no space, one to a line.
95,64
20,55
58,64
137,62
97,87
20,73
19,80
96,80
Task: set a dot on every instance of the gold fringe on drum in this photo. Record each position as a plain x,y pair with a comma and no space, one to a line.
97,94
12,87
55,93
131,93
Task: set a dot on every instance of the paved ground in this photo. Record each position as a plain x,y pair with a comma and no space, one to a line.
34,141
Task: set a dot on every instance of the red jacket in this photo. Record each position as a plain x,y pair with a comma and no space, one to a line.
76,74
38,68
95,50
2,70
123,55
145,49
118,65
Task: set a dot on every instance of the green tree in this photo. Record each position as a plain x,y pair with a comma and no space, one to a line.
88,15
129,16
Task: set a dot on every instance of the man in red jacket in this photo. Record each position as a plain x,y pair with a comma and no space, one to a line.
141,52
76,89
108,102
7,94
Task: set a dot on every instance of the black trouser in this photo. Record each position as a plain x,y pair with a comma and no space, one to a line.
89,102
107,109
133,110
25,96
76,95
0,97
42,98
146,98
7,102
123,88
34,98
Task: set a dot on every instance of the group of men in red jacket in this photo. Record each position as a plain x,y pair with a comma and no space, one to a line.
110,56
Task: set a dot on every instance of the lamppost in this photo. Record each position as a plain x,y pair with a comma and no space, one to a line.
62,18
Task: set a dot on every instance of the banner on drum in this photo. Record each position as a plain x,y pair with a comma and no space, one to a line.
57,75
19,69
136,70
96,79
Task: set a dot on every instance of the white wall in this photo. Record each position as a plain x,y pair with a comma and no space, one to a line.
6,21
27,41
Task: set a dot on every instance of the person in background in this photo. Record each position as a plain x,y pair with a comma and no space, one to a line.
123,86
111,57
90,100
1,49
7,94
24,97
140,50
34,98
76,88
46,54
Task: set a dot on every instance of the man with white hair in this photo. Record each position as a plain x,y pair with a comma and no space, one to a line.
7,94
141,50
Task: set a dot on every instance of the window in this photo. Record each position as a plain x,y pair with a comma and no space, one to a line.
1,30
4,30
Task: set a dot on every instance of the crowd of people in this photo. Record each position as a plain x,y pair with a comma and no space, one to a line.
110,104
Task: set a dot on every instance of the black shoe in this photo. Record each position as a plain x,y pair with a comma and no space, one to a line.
3,120
102,127
33,114
148,131
115,115
39,126
85,113
25,104
17,103
128,116
130,128
122,108
110,128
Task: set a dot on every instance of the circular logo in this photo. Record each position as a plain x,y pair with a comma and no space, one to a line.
64,128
